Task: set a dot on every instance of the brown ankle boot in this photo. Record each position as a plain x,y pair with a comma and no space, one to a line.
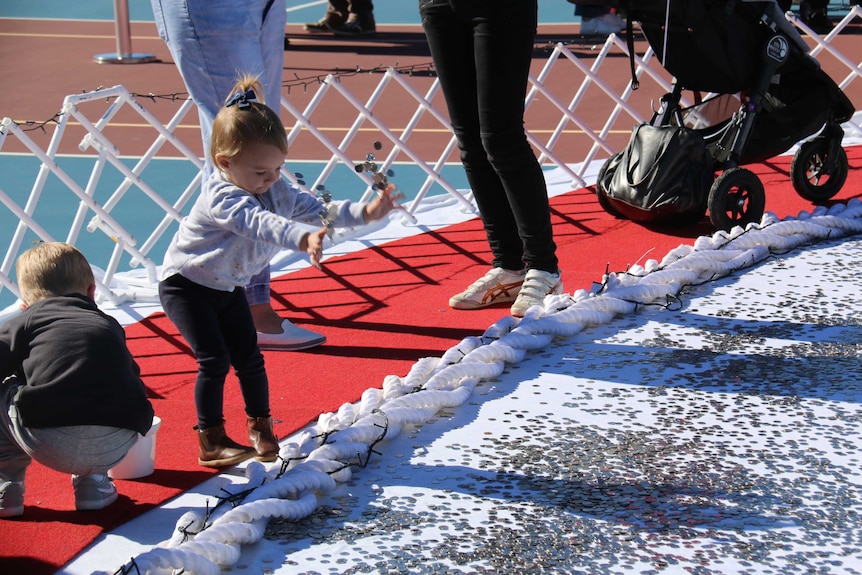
219,450
262,438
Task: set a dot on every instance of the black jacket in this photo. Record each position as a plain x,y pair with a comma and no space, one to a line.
76,369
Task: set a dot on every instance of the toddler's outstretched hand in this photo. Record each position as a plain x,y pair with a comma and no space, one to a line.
314,246
382,204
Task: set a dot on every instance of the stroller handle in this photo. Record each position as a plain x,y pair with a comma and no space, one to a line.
776,16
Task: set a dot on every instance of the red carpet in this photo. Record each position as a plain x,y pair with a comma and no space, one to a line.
381,310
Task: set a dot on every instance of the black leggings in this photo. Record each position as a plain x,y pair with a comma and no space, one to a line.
482,51
220,331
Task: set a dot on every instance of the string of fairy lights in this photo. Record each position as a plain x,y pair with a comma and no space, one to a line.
289,85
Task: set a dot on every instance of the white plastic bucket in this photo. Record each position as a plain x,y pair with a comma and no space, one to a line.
140,461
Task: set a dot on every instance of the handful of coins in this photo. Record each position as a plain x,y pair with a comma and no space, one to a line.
381,180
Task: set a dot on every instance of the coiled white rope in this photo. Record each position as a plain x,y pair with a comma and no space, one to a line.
316,466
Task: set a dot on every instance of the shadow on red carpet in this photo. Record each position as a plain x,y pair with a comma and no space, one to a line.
381,309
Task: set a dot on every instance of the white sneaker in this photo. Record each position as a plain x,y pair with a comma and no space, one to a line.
603,25
496,286
93,491
537,285
11,498
292,337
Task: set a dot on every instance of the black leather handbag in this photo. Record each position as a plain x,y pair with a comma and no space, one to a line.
663,174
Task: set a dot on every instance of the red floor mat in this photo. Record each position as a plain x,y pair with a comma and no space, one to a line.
381,310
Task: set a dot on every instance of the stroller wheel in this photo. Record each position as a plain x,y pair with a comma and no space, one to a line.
736,198
815,174
601,188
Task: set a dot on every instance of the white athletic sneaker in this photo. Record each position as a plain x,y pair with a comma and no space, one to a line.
292,337
537,285
93,492
11,498
603,25
496,286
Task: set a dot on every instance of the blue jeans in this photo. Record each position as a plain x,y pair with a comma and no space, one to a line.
482,51
219,329
211,42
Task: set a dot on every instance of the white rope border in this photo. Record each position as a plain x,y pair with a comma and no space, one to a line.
448,381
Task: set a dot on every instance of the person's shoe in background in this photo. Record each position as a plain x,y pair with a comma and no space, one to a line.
358,25
326,25
292,337
602,25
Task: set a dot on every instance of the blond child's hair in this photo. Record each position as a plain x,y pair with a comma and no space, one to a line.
245,118
52,269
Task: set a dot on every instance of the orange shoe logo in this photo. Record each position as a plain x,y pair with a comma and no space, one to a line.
500,290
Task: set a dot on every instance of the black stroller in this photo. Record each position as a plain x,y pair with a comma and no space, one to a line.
770,94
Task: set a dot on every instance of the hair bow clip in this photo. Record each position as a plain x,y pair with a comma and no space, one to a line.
241,99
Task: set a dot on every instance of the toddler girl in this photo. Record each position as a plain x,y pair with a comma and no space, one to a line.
243,216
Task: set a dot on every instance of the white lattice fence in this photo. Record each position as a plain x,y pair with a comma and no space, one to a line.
565,82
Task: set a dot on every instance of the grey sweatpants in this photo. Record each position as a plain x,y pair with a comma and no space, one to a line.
78,449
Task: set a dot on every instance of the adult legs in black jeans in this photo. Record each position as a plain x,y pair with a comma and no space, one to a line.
219,329
482,52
